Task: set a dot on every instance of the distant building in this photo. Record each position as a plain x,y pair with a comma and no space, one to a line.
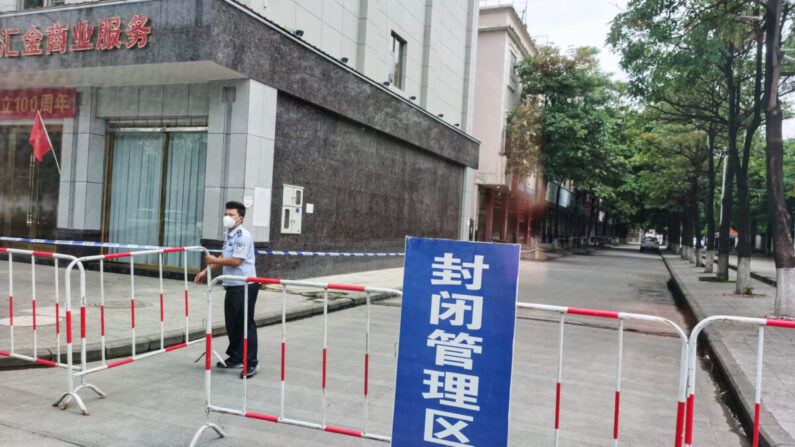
162,110
501,203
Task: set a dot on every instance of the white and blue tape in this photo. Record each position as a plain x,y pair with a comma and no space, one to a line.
156,247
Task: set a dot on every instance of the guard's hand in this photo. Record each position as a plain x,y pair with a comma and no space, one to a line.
200,277
210,259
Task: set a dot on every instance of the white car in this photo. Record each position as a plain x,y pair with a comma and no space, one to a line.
649,243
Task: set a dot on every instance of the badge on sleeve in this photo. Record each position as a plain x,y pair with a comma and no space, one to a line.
240,247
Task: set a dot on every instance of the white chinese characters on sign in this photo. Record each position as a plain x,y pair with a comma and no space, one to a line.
454,349
452,272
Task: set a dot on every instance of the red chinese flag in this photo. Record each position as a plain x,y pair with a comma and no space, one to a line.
39,139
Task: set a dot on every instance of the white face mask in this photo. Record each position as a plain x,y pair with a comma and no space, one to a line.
229,221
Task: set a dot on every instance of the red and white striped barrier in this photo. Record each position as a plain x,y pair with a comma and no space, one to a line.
761,323
243,411
13,351
621,317
84,370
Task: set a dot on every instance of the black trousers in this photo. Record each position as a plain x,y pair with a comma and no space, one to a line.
233,315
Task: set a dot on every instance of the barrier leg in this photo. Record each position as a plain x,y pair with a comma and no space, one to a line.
284,344
11,299
102,306
57,316
185,279
33,303
366,359
208,373
682,397
132,301
618,380
245,345
560,377
325,345
758,394
162,322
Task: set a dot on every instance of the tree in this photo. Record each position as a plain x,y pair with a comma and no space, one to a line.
775,19
665,43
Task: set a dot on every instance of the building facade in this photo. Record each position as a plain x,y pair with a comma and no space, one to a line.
160,111
503,203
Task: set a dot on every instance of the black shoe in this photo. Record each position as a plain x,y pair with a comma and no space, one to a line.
251,371
230,364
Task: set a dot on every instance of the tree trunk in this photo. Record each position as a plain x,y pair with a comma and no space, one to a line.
694,215
687,230
784,305
674,232
725,223
710,204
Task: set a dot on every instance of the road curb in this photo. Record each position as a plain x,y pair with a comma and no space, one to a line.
149,342
740,387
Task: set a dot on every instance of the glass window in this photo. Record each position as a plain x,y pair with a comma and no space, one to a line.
32,4
398,61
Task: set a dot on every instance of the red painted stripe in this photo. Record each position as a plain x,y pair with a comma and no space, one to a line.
5,353
344,431
68,326
57,320
172,250
324,368
557,409
208,353
756,426
46,362
283,353
264,280
186,302
11,310
615,420
34,313
82,322
122,362
117,255
680,423
102,313
781,323
174,348
3,250
42,253
593,313
245,354
366,371
161,307
689,428
346,287
132,310
263,417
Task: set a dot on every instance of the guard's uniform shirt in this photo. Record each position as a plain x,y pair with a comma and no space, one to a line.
239,244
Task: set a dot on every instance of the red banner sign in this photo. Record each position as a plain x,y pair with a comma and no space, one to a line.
109,33
53,103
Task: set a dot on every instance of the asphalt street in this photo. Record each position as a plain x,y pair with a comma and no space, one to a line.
159,401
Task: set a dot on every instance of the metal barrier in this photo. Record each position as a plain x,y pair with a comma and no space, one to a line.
620,316
64,400
761,323
281,418
12,353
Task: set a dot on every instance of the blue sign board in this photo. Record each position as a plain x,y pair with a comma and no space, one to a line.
456,344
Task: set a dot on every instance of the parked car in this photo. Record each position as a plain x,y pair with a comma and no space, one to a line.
649,243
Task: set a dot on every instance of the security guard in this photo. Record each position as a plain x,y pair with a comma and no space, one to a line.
237,259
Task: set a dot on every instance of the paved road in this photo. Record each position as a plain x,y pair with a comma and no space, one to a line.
159,401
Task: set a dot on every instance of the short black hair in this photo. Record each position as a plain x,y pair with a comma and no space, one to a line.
241,209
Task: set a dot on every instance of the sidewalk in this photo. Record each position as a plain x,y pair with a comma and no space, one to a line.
763,268
302,302
733,346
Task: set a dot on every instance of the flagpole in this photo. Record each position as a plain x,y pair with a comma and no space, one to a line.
56,162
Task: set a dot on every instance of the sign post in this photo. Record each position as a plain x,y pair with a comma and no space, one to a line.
456,344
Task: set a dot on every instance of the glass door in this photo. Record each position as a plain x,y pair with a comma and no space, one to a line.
29,188
157,191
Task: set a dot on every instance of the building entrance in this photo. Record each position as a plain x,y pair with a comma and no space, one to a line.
28,188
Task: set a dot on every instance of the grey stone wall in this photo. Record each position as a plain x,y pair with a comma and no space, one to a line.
369,191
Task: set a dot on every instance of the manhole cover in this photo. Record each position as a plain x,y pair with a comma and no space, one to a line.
27,321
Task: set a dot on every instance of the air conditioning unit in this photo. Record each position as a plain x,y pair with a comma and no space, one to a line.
292,202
